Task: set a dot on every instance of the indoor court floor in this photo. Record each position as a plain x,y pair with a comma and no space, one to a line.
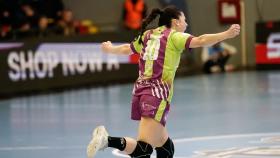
232,115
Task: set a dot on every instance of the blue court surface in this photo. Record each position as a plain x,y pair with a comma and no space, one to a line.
233,115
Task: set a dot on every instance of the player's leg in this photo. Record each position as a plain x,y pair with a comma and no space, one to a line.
154,115
140,148
166,150
127,144
101,140
158,137
130,146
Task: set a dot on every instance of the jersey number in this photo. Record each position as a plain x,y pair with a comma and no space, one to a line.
152,48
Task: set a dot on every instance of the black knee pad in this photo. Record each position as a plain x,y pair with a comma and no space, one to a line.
167,150
142,150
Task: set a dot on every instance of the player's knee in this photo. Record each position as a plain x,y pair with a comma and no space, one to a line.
167,150
143,150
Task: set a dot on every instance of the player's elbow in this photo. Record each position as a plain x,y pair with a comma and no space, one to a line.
126,50
198,42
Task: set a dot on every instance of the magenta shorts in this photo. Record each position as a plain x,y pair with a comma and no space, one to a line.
149,106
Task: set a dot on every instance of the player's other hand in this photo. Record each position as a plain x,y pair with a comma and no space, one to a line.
233,31
106,46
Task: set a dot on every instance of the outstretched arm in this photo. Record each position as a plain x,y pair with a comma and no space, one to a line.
211,39
123,49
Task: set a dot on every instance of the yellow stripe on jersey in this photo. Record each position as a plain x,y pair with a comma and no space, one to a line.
160,110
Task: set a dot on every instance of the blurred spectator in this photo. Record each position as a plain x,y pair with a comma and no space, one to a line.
5,32
67,25
30,15
24,18
6,18
27,20
5,24
215,58
133,13
43,29
50,8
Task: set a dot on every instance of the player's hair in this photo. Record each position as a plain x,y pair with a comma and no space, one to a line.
166,15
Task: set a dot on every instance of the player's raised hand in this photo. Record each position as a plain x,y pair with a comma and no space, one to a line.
233,31
106,46
121,49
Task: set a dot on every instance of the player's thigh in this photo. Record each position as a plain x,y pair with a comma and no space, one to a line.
152,132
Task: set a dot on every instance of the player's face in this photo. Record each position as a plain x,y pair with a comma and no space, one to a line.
181,24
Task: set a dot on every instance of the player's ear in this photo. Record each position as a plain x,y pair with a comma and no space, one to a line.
174,22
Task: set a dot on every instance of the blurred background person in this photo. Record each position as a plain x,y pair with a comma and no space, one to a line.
134,11
67,25
27,20
215,58
43,29
52,9
7,16
5,22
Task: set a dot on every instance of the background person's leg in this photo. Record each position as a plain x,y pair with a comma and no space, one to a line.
222,62
208,66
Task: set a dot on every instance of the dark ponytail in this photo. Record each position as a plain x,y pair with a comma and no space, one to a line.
166,16
155,12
